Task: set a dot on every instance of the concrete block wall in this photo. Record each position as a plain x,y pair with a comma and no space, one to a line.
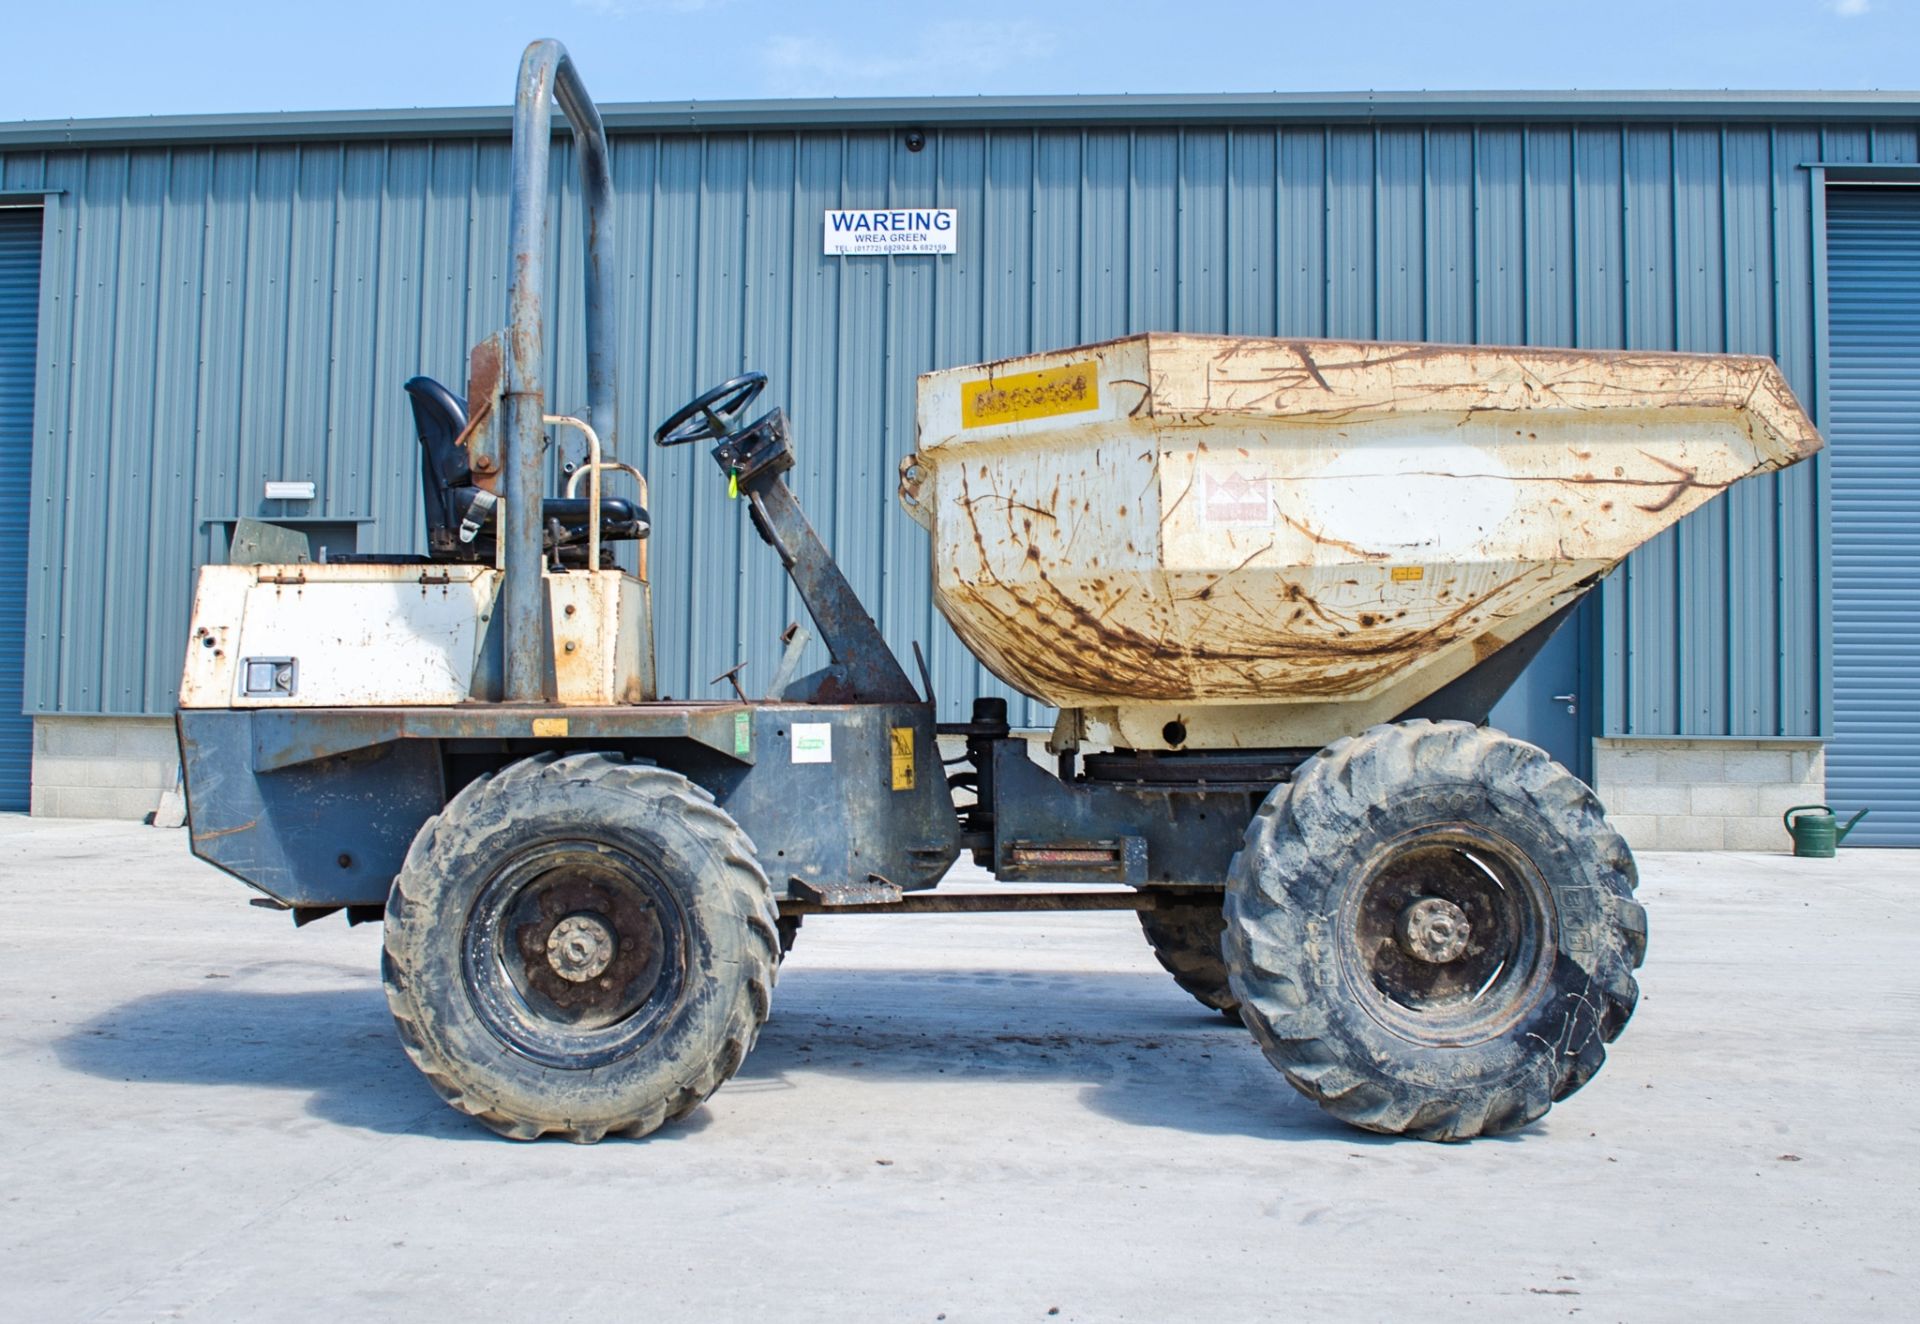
102,767
1707,794
1661,794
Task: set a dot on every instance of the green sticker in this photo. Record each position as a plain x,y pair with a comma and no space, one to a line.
742,733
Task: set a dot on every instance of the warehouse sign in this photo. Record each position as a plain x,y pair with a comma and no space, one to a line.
900,230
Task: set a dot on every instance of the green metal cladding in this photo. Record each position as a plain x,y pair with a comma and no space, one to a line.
218,313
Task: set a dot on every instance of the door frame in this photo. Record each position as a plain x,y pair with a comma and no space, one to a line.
46,203
1826,175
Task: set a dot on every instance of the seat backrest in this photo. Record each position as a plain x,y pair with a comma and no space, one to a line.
448,492
439,417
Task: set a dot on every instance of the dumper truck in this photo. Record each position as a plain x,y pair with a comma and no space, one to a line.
1272,588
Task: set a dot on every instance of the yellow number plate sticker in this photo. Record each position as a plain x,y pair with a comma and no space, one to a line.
549,727
1073,389
1409,574
902,738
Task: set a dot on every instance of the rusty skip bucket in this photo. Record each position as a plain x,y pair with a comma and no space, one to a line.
1259,543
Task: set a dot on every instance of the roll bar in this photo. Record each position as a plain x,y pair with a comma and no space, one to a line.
548,74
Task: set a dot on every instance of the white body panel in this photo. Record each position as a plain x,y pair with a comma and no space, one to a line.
381,636
357,636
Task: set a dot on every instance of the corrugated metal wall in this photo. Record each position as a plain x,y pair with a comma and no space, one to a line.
220,316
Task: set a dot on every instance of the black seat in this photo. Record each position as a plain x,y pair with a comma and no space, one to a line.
450,497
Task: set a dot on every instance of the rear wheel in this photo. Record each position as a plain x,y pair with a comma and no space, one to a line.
579,946
1185,938
1432,930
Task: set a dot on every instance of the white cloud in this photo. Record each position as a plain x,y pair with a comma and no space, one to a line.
1849,8
944,57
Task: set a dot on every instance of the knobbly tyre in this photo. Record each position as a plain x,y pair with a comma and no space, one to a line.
1273,589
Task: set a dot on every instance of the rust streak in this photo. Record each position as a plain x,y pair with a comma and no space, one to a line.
1193,476
1313,369
1123,660
1328,540
1687,480
247,826
1010,503
979,542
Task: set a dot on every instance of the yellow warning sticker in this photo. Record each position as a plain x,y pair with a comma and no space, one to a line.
902,738
1409,574
548,727
1073,389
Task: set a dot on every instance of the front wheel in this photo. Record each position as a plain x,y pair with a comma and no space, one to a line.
1432,931
579,946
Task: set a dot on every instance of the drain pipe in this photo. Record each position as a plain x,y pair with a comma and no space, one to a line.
547,74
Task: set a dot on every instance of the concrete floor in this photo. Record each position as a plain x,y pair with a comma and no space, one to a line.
965,1118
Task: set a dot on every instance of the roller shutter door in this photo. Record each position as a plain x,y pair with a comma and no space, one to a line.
1873,282
19,314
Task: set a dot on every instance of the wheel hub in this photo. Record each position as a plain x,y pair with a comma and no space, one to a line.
1449,932
574,953
1433,929
580,948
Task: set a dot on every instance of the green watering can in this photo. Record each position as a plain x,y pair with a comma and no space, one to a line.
1815,831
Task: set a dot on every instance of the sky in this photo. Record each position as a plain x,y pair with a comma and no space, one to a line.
89,58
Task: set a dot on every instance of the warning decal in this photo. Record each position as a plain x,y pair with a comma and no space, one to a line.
1073,389
902,741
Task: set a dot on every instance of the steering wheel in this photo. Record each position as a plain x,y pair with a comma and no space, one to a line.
704,418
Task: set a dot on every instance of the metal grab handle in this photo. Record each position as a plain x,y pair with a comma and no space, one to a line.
638,477
592,468
594,465
593,486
